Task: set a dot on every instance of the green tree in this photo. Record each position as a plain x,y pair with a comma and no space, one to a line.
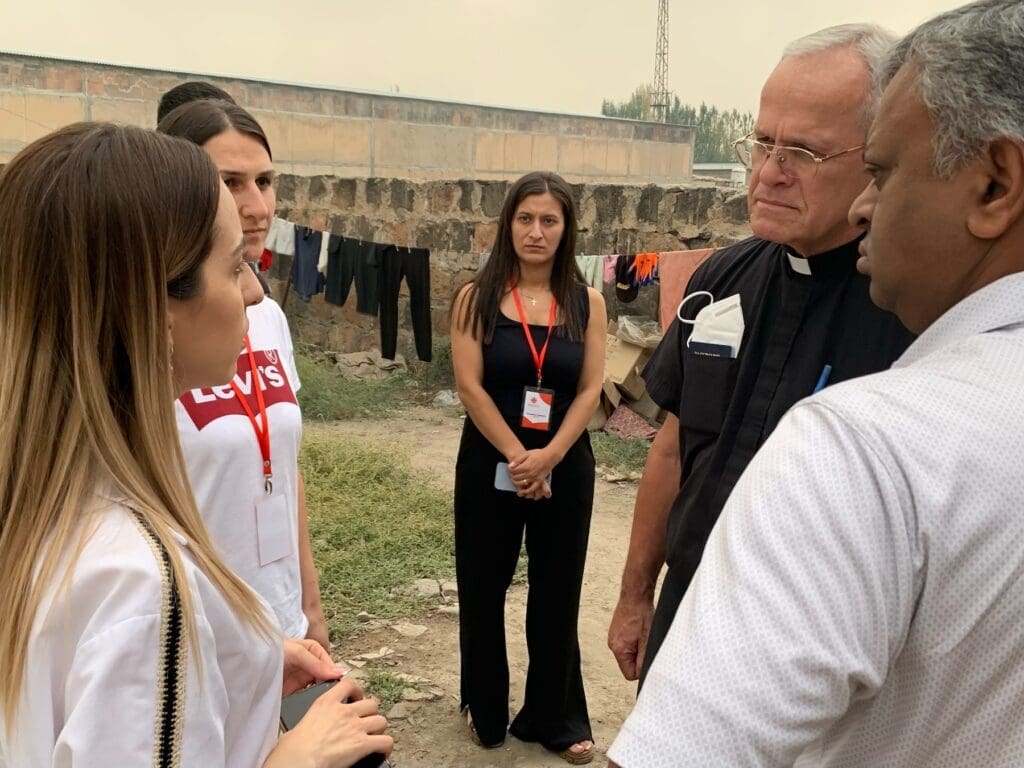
716,129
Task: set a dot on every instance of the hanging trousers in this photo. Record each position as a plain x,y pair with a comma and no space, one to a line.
489,527
306,279
348,262
414,265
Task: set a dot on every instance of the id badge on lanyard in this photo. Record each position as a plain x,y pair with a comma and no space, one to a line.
273,526
537,401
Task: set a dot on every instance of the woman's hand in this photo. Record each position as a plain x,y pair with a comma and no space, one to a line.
306,662
532,467
340,728
535,491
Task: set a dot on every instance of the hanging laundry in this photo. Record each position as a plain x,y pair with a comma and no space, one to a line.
321,262
305,278
281,237
266,260
592,269
414,265
675,269
626,288
609,268
354,261
644,267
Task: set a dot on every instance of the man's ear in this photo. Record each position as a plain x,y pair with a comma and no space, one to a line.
999,201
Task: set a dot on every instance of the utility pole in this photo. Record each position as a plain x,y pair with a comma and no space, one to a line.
659,98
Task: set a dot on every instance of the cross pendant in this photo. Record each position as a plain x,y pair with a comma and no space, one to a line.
533,302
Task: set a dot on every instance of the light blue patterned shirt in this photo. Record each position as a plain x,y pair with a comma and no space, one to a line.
861,600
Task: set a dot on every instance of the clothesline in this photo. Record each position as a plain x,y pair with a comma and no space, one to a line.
332,264
323,262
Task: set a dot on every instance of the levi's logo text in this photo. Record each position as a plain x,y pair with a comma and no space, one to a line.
211,403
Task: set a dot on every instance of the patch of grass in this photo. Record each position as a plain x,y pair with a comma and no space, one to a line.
616,453
326,395
386,687
438,374
375,525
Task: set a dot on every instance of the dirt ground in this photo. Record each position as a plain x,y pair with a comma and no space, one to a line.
430,734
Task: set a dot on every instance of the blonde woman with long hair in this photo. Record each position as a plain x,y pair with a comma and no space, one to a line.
125,640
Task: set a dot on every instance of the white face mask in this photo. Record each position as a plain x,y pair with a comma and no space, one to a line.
719,323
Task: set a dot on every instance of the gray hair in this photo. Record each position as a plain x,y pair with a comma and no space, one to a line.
969,64
872,42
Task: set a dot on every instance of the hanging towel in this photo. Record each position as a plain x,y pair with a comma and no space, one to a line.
676,268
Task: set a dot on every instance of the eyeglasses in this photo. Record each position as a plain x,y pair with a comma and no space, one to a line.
795,162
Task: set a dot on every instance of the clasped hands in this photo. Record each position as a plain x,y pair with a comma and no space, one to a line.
529,471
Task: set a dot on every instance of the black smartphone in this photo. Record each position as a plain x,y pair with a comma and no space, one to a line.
295,706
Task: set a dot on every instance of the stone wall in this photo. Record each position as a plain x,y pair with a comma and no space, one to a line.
456,220
352,134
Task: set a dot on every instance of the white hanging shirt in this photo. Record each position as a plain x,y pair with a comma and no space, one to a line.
860,602
281,237
225,465
91,689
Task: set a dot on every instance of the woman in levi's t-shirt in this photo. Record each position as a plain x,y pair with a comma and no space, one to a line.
245,474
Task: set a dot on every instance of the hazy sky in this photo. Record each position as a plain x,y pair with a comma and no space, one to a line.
557,55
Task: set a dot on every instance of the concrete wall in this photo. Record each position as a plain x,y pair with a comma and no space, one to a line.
456,220
344,133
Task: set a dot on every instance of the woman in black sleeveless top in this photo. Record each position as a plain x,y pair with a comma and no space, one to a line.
528,351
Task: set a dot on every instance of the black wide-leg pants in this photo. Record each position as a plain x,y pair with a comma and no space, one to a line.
489,530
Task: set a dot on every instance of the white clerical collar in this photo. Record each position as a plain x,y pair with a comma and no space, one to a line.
799,264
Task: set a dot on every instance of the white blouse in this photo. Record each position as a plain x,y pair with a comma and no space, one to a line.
92,694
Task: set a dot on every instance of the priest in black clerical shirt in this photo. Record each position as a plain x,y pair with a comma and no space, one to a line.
807,321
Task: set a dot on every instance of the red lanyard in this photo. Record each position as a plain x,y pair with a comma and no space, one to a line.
538,359
262,435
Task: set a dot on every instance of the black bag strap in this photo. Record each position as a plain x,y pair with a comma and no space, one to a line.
171,671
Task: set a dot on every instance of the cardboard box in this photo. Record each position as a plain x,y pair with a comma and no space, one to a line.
611,393
622,364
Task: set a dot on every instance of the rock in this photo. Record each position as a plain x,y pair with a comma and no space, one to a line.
369,365
425,588
449,589
413,679
449,610
356,663
356,673
364,617
445,399
408,630
400,711
411,694
383,653
735,209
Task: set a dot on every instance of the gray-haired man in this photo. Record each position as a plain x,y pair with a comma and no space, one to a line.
807,320
860,600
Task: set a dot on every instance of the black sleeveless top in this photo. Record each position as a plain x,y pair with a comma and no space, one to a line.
509,367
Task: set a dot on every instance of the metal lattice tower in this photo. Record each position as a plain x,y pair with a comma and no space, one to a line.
660,95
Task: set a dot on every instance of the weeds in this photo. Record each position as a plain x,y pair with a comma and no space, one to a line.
619,454
326,395
375,526
386,686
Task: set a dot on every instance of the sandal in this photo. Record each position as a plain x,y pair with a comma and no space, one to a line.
475,737
578,757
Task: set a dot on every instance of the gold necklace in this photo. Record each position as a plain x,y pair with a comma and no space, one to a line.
533,299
